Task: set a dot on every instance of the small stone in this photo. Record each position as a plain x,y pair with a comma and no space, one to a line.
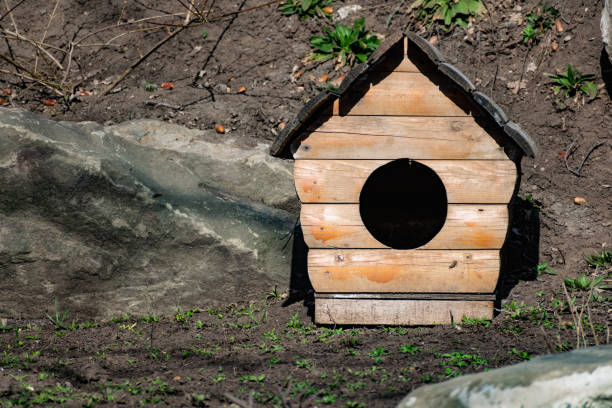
281,125
567,38
580,200
433,40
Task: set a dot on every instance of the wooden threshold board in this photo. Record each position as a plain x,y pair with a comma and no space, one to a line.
399,309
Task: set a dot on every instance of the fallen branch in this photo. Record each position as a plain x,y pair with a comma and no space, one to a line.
570,150
164,104
239,402
141,59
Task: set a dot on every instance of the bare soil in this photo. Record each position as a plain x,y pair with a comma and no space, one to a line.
248,347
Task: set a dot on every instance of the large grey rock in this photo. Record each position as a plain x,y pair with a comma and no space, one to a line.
606,27
577,379
141,217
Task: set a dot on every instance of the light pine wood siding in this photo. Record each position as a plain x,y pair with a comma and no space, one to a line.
466,181
468,226
363,270
398,311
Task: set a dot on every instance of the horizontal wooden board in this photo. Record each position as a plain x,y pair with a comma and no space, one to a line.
394,137
390,270
467,226
398,93
466,181
399,311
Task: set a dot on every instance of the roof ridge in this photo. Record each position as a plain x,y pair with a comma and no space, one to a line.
449,71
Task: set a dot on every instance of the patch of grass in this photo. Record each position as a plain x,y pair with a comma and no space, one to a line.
345,43
462,360
599,260
294,322
476,322
307,8
582,282
409,349
520,354
449,12
544,268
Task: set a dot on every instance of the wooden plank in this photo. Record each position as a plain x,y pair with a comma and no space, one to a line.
467,226
390,270
406,296
398,311
466,181
399,93
393,137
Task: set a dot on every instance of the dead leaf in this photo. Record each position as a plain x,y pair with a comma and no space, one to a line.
83,93
554,46
220,129
559,26
562,154
323,78
3,101
579,200
242,89
8,91
433,40
232,79
281,126
167,85
48,102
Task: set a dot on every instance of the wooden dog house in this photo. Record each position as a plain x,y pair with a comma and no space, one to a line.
405,174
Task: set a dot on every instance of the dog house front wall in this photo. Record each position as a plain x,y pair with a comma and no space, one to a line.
397,109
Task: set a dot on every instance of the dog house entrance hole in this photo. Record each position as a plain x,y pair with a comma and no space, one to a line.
403,204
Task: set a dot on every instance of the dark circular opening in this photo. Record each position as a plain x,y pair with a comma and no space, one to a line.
403,204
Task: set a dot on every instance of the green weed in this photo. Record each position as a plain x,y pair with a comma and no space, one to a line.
59,317
582,282
448,11
539,22
520,354
409,349
570,82
544,268
306,8
474,321
602,259
347,44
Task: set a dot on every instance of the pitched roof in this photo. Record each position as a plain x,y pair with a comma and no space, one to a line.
487,106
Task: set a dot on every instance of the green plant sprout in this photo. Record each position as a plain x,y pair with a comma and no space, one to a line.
544,268
582,282
347,44
449,11
306,8
59,318
539,22
570,82
599,259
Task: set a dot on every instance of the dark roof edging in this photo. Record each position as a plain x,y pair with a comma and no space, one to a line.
452,73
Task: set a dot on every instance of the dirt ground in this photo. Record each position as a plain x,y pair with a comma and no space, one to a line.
258,347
